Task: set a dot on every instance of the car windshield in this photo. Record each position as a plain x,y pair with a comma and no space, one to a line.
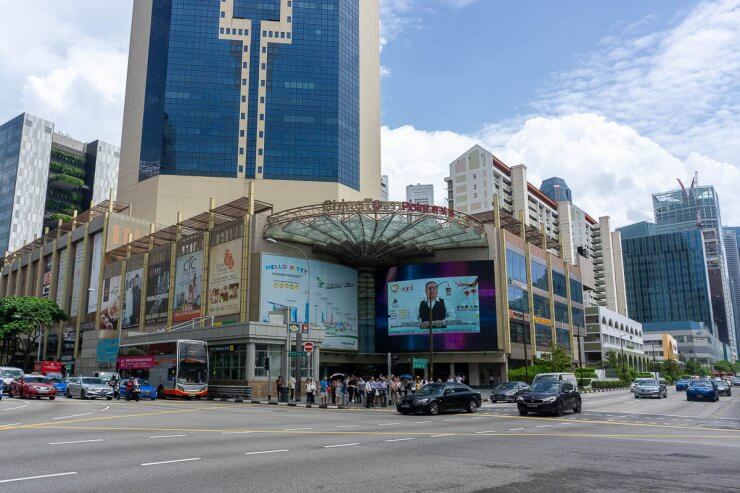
702,384
92,381
12,374
431,389
35,379
544,385
507,386
647,382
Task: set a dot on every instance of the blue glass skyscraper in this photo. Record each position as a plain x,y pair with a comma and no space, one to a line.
277,92
556,189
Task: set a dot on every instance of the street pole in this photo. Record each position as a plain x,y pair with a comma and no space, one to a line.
524,344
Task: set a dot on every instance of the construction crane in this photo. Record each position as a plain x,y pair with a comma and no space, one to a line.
687,194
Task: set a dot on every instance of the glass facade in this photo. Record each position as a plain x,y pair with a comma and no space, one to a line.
576,291
543,333
558,284
518,300
561,312
556,189
10,146
541,306
516,266
666,278
192,116
539,276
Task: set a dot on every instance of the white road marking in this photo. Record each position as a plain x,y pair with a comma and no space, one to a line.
347,426
167,436
296,429
479,417
484,432
421,422
456,419
38,477
25,404
76,441
515,429
342,445
105,408
74,415
542,426
442,435
169,461
387,424
266,452
236,432
399,439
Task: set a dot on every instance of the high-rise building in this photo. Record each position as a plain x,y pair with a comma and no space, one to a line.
45,176
281,93
666,278
556,189
384,187
637,230
420,194
697,209
732,253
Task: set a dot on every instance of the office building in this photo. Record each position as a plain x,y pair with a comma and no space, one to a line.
697,208
556,189
420,194
607,330
477,176
732,253
637,230
384,187
46,176
221,94
660,347
694,340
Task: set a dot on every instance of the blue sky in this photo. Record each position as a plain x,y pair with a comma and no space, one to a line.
620,98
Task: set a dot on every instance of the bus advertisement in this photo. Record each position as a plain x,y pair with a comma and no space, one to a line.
177,368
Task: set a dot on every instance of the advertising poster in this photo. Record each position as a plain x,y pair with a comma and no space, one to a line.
74,305
132,298
458,298
225,276
62,278
158,285
110,305
46,281
188,279
97,257
284,281
451,303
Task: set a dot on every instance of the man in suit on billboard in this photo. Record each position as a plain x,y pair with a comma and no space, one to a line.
432,306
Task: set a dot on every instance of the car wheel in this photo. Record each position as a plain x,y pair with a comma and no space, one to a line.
67,394
577,409
433,409
154,398
558,409
109,398
472,406
52,398
523,412
494,401
83,395
637,396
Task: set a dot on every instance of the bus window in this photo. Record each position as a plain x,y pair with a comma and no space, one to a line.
193,367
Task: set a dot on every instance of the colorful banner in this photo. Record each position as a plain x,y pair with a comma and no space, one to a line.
132,298
284,282
188,279
62,278
97,257
74,306
158,285
225,278
110,306
46,281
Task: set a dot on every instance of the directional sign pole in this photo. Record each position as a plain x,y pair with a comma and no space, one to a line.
298,364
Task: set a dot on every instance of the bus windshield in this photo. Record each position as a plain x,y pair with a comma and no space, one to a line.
193,364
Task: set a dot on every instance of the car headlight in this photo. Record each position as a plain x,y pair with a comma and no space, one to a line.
549,399
179,387
520,398
203,389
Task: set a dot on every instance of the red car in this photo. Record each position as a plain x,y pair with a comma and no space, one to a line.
28,386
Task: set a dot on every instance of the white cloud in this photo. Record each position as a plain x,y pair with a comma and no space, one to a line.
612,169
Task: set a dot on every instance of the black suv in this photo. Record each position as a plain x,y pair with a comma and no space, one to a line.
549,396
438,397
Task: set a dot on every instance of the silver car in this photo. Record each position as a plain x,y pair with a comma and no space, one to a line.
650,388
88,388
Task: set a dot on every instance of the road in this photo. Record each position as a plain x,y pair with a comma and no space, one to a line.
618,442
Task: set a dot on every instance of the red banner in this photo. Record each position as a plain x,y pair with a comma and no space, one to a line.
135,362
46,367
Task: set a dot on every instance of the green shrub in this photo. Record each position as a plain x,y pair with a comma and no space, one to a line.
585,372
584,382
608,384
521,376
71,180
644,374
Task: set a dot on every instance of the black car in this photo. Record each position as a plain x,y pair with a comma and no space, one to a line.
549,396
508,392
723,388
439,397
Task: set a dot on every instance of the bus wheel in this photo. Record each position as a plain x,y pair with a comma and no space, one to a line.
160,392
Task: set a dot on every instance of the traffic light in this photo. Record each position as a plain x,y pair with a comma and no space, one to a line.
267,363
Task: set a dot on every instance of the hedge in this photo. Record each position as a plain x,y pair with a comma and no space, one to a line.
584,382
644,374
585,372
607,384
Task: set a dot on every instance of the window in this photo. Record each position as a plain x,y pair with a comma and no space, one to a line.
520,334
518,300
539,276
576,291
561,312
541,306
228,363
577,317
558,284
563,338
516,266
543,333
261,351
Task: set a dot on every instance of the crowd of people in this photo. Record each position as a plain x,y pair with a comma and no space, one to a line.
353,390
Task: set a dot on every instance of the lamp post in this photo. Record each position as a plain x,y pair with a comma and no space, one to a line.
431,338
308,315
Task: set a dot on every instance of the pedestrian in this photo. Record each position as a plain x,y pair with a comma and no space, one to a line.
369,392
491,381
383,387
351,383
323,386
279,385
360,391
310,391
291,386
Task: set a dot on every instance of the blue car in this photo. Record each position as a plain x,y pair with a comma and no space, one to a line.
60,383
683,383
702,390
147,391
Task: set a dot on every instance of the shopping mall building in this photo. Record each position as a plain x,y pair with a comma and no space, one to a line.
360,279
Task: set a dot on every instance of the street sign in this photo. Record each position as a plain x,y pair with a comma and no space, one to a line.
107,350
419,363
297,354
308,347
293,327
304,328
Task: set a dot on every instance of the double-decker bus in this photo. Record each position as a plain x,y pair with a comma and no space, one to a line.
177,368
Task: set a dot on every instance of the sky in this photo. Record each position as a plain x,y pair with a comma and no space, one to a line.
618,98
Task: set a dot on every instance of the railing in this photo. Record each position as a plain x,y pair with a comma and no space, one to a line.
190,324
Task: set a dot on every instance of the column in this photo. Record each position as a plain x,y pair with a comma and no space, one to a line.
250,361
452,369
315,363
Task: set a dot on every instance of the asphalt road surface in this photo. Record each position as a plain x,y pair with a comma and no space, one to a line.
618,444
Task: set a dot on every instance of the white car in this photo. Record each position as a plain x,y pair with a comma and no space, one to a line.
7,375
638,380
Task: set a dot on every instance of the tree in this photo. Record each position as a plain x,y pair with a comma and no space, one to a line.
670,370
25,318
612,361
694,368
557,360
724,366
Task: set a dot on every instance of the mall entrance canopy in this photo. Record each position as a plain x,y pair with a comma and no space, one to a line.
373,233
